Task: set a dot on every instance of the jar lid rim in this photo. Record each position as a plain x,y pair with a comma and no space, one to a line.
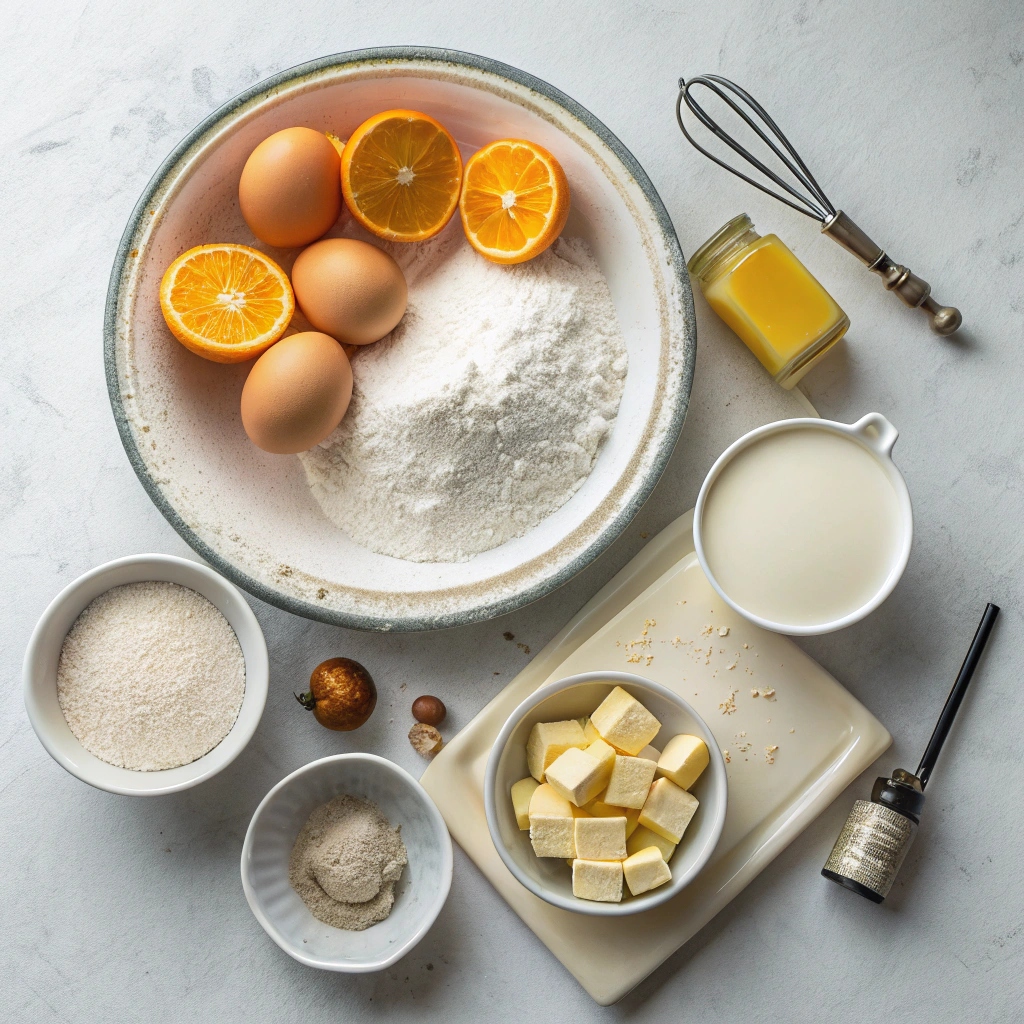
737,225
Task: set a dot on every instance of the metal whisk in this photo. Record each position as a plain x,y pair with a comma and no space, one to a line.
812,202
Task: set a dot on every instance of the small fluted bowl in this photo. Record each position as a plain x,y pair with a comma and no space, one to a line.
419,894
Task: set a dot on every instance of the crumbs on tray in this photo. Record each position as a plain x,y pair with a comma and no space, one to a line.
639,651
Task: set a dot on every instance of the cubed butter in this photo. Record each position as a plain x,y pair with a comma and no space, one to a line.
548,740
605,753
629,782
651,753
643,837
521,793
552,827
547,802
683,760
599,809
577,776
589,731
552,837
599,880
601,838
624,722
645,870
668,810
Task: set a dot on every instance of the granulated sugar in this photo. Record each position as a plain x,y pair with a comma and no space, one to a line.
151,676
484,410
345,863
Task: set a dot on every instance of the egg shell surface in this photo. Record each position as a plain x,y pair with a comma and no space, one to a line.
349,289
290,189
296,393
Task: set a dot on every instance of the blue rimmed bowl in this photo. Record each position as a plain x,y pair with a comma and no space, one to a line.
250,514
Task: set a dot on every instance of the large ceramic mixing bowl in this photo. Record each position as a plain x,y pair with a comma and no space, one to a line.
252,515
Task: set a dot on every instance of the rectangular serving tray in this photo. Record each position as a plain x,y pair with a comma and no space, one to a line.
790,753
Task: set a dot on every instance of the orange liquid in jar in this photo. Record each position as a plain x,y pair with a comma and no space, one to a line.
769,298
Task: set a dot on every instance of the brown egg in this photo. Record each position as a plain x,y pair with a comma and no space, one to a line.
296,393
290,190
349,289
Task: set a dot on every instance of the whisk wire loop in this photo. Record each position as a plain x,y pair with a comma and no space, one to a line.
816,205
911,289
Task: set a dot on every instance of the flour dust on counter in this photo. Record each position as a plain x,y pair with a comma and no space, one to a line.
484,410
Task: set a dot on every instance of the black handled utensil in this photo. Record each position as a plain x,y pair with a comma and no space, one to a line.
877,835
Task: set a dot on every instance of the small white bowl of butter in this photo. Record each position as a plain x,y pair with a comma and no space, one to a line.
804,526
551,878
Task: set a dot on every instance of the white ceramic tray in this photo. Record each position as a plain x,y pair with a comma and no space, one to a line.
653,619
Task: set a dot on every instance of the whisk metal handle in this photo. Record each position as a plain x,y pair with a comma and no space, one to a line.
913,290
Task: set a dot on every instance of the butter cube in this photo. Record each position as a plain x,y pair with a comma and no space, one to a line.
599,809
683,760
643,837
599,880
549,803
552,828
624,722
522,791
589,731
668,810
601,838
630,780
552,837
577,776
645,870
548,740
651,753
579,812
603,752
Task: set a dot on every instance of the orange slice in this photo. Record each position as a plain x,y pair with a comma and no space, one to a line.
226,302
401,173
515,200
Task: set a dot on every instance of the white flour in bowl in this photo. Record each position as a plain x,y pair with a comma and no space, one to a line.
483,412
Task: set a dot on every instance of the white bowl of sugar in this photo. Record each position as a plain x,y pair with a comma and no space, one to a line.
158,686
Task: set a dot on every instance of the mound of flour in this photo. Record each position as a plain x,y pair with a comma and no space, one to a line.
482,412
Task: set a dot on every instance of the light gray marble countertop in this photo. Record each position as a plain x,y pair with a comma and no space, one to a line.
123,910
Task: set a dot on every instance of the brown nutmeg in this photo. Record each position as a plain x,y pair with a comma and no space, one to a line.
341,694
430,710
425,739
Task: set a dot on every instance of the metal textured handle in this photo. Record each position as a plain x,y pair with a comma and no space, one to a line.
913,290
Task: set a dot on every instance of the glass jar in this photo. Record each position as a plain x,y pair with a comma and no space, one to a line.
769,298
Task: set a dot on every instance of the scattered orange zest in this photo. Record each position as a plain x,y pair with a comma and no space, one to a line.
226,302
401,173
515,200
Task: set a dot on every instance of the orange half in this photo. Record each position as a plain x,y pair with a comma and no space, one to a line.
515,200
226,302
401,173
